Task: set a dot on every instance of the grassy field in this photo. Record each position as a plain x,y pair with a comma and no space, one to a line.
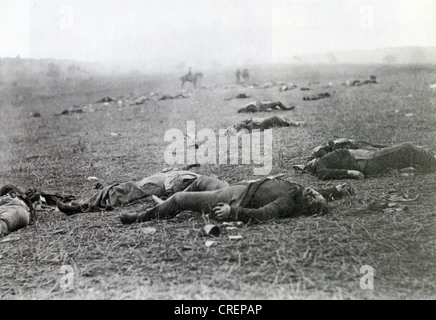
302,258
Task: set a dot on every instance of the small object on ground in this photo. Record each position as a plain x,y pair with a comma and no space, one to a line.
106,100
287,87
242,96
239,96
210,243
211,230
268,85
92,179
237,237
68,112
400,198
376,205
317,96
149,230
140,100
234,224
35,114
395,209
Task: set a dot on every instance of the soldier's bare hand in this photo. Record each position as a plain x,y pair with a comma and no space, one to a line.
345,188
222,211
355,174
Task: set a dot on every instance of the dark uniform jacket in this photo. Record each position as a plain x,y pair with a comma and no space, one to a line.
334,165
268,199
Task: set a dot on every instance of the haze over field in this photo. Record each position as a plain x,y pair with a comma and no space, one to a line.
92,91
161,35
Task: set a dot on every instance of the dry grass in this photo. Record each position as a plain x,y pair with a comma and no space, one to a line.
304,258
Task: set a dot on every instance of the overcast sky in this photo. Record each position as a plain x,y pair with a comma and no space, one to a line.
203,31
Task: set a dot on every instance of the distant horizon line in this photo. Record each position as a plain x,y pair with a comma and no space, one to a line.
18,56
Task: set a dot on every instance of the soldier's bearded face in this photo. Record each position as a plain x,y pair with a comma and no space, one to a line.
313,197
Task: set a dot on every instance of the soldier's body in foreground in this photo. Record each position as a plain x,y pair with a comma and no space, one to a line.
162,184
260,201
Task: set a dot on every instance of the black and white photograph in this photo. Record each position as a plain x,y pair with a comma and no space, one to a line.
230,151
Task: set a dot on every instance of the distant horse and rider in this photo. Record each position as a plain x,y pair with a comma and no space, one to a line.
193,78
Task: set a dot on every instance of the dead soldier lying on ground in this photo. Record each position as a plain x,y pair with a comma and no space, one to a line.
357,159
257,201
162,184
249,125
265,106
16,210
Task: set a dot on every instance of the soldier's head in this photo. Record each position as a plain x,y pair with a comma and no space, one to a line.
312,202
319,152
11,190
310,165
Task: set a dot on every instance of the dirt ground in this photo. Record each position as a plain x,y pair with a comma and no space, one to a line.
301,258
